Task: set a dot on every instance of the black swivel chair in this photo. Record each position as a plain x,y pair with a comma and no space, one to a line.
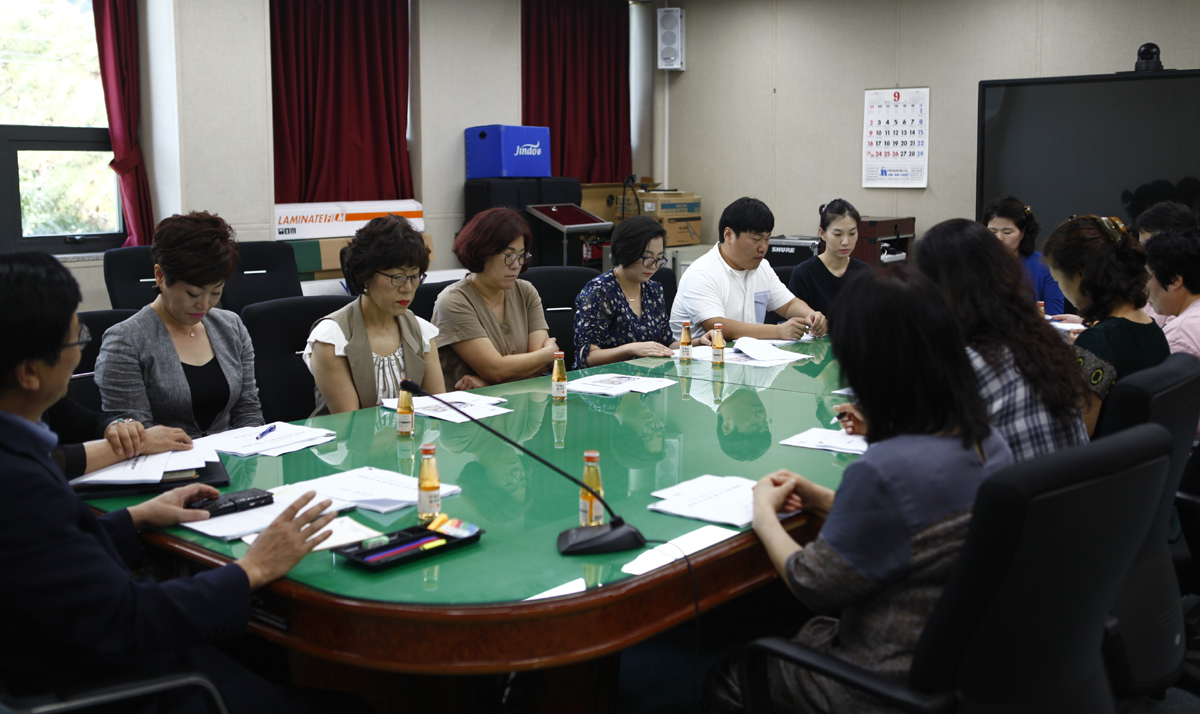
426,296
107,696
1017,627
129,277
266,270
1144,643
82,387
558,286
279,329
784,272
666,277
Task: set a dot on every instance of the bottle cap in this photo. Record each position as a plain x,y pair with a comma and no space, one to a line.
428,449
717,326
558,355
687,323
591,457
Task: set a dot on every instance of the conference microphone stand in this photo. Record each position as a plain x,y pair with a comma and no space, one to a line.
611,537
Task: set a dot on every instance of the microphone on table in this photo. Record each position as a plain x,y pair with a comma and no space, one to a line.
611,537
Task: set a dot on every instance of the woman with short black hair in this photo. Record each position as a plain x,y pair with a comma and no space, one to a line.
1102,271
622,314
182,362
818,280
360,353
1010,220
894,527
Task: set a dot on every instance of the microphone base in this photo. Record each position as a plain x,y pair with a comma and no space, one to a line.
608,538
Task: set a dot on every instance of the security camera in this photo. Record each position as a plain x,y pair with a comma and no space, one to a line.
1148,58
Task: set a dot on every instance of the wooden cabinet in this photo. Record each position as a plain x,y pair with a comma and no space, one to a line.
875,232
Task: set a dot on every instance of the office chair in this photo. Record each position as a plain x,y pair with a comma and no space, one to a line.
1144,641
666,277
279,329
426,296
266,270
1016,629
82,387
82,701
129,277
558,287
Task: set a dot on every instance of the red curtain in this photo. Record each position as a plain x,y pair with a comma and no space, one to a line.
339,73
117,41
575,80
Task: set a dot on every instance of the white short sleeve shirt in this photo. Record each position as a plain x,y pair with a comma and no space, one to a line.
710,288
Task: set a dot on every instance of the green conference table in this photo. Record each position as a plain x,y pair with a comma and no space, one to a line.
465,612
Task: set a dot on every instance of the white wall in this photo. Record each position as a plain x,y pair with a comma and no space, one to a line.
771,102
466,71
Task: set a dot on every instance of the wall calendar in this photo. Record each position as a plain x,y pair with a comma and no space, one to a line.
896,138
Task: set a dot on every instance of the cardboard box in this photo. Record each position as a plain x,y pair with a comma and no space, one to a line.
684,229
604,199
679,204
314,256
305,221
498,151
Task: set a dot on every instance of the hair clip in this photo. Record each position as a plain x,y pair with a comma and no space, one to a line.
1112,227
821,210
1028,211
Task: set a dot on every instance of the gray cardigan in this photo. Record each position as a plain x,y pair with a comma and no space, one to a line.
140,376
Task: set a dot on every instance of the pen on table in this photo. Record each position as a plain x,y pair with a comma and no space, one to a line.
266,431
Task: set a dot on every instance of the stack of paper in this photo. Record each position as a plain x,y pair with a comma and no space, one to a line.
704,354
271,440
149,469
477,405
828,440
717,499
763,351
345,531
675,548
615,385
236,525
374,489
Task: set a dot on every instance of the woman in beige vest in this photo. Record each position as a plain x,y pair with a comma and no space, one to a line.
491,323
359,354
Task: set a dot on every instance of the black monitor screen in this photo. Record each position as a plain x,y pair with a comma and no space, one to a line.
1106,144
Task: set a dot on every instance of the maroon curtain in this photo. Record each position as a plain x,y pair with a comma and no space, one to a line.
117,41
575,80
339,74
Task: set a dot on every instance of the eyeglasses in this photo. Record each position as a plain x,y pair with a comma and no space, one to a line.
520,258
399,280
651,262
85,336
652,429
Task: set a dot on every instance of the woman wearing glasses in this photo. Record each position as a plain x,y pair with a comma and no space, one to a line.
1102,271
359,354
181,362
622,314
491,322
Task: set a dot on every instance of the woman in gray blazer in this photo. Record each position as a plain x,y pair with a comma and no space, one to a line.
180,362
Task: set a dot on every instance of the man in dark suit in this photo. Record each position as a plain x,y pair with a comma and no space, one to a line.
75,614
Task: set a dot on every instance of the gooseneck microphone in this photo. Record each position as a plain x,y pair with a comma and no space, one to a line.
611,537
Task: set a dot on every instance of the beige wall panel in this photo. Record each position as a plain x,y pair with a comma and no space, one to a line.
1101,36
824,66
722,107
469,73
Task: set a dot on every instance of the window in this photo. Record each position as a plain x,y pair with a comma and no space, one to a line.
57,192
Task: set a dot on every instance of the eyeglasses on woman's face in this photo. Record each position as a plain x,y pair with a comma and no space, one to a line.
399,279
518,258
651,262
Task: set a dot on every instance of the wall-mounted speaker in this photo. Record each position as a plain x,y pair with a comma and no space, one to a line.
670,38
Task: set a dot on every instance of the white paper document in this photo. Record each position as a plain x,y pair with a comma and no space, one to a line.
577,585
828,440
369,488
763,351
847,391
615,385
345,531
273,439
704,354
235,525
716,499
1067,326
148,469
669,552
468,397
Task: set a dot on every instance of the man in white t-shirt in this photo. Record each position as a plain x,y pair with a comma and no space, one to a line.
734,285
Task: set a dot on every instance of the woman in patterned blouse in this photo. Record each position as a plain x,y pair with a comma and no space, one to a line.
622,314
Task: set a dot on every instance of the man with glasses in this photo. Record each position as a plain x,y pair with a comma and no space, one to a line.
735,286
76,614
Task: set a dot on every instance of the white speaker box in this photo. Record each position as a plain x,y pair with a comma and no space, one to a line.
670,38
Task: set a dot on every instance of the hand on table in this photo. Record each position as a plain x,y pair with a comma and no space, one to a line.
817,323
793,328
1073,319
649,349
164,438
705,339
776,493
286,541
469,382
851,418
167,509
125,437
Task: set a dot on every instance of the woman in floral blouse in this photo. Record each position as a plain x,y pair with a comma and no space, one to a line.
622,314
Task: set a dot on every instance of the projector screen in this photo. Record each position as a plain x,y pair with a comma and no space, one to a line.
1104,144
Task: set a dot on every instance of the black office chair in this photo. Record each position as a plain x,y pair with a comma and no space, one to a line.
785,276
82,387
279,329
129,277
266,270
426,296
1017,627
666,277
558,286
1144,643
82,701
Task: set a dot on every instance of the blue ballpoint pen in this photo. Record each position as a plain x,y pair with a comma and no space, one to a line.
268,430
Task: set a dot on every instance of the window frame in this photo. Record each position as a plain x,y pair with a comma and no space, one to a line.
14,138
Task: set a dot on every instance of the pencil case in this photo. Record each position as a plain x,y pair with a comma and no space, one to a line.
403,546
